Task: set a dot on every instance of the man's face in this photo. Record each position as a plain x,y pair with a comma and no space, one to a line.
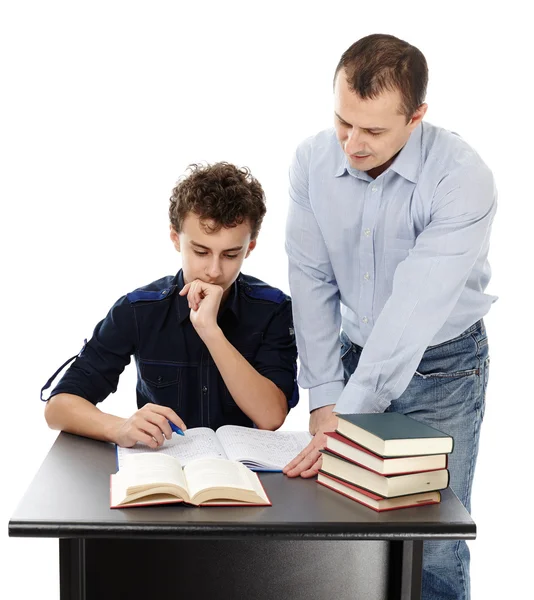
372,131
212,257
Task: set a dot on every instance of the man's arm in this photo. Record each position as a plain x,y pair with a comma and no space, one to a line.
426,287
317,315
256,395
314,292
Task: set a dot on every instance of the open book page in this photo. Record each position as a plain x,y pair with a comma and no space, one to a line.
259,449
198,442
148,469
222,474
148,477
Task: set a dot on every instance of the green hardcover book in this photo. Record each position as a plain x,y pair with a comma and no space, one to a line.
394,434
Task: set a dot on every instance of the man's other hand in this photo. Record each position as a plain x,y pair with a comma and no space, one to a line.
308,462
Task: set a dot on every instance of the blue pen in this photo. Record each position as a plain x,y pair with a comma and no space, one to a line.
176,429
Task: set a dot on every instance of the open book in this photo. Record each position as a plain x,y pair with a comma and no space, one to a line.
148,478
258,449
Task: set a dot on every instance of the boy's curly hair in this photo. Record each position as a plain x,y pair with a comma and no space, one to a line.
221,193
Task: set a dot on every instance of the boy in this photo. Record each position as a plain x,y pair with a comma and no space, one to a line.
212,346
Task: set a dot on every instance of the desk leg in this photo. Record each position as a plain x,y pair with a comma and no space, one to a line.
411,570
72,569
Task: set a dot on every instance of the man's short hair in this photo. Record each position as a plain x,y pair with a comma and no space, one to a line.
221,194
380,62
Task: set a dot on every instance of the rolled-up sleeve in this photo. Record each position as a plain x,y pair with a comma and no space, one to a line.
426,288
314,291
276,358
95,372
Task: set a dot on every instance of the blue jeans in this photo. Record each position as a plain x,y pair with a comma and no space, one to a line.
447,392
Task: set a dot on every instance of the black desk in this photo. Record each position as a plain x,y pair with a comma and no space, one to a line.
312,543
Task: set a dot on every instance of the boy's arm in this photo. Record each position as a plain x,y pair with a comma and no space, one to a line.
262,400
257,396
77,415
93,376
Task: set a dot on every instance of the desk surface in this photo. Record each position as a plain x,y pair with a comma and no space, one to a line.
69,497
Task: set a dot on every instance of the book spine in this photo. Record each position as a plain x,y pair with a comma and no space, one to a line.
379,509
384,474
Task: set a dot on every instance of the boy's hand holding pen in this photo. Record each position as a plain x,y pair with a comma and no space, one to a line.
150,425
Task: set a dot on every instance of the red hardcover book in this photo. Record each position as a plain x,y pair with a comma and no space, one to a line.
387,486
374,501
342,446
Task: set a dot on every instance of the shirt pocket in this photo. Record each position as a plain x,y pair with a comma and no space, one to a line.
396,250
162,383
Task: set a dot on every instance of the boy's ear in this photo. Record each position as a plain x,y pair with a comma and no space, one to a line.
175,238
251,246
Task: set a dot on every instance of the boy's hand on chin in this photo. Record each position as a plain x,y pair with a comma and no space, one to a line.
204,300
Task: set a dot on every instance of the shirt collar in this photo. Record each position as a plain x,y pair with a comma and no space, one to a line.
231,304
181,301
407,164
343,166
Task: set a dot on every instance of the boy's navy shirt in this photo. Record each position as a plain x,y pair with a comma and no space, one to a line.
174,366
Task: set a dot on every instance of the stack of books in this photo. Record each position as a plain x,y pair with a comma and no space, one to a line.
386,461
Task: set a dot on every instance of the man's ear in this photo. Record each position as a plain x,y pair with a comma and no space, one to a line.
251,246
175,238
418,116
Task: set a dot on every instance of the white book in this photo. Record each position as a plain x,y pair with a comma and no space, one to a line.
258,449
146,479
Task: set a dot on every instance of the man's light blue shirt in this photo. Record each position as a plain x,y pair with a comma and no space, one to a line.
399,262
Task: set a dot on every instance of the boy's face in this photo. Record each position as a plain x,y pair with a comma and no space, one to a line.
214,257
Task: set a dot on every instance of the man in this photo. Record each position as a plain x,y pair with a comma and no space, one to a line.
389,221
212,346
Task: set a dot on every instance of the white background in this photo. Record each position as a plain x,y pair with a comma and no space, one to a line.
104,104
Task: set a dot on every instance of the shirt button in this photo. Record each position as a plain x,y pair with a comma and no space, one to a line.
367,277
367,232
204,389
374,188
365,320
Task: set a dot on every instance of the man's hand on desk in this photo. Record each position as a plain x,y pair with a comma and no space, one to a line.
149,425
308,462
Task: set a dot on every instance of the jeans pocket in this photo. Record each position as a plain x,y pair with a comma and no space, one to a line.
485,386
447,375
454,359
